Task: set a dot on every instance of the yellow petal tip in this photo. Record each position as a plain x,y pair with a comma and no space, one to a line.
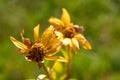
36,33
18,44
65,17
87,46
36,27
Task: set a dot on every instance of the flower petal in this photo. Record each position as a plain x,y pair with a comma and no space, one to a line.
59,35
28,58
56,58
56,22
79,29
41,77
18,44
47,35
67,41
65,18
83,42
26,41
75,45
54,44
52,50
36,33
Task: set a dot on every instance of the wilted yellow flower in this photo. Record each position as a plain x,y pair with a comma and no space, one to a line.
69,33
42,48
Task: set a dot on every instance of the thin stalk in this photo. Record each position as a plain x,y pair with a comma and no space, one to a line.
68,63
46,70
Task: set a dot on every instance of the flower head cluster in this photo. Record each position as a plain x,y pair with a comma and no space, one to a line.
69,33
46,47
58,33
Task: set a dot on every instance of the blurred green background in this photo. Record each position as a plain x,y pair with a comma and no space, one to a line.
100,18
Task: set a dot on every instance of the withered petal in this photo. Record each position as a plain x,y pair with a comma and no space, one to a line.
26,41
78,29
65,18
36,33
18,44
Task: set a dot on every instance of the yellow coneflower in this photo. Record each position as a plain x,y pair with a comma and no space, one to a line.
69,33
46,47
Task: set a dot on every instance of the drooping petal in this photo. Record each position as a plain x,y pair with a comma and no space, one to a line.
65,18
18,44
56,58
83,42
47,35
75,45
36,33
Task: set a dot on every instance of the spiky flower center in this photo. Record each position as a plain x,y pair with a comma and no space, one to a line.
69,32
37,52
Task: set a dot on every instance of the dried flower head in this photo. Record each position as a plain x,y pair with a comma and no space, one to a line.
46,47
69,33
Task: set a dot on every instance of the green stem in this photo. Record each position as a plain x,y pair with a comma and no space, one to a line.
68,63
46,70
